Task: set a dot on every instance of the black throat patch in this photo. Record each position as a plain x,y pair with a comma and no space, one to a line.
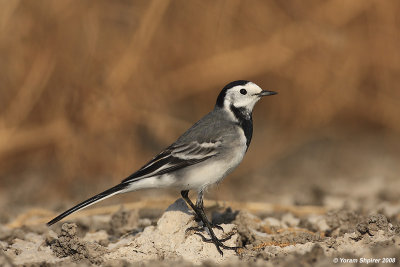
245,121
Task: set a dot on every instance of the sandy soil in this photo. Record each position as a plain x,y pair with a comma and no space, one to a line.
301,218
282,236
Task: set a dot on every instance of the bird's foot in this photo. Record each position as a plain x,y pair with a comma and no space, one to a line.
218,242
202,228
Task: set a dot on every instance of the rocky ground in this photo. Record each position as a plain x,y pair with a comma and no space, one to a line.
320,204
139,237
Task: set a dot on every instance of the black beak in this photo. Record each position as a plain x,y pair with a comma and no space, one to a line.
265,93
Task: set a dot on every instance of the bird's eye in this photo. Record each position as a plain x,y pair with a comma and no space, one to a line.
243,91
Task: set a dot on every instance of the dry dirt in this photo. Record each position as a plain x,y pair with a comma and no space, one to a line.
287,236
345,208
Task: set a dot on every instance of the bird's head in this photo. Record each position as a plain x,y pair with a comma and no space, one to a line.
241,95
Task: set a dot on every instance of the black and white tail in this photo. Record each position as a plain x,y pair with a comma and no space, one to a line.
174,158
106,194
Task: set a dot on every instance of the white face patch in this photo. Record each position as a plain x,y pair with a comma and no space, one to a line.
243,96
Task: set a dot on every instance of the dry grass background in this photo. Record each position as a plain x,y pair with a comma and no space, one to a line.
90,90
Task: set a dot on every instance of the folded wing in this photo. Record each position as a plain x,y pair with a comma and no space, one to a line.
176,157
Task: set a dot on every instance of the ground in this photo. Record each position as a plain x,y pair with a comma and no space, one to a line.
268,234
323,202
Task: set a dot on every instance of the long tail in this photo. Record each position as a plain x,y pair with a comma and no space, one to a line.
108,193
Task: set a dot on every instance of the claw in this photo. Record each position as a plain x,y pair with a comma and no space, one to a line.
210,240
206,240
218,242
194,228
226,238
219,227
202,228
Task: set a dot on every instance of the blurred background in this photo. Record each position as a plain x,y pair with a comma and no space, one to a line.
92,90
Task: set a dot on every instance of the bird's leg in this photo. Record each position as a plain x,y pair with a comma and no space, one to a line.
200,213
195,208
199,205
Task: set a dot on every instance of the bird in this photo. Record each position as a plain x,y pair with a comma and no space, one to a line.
202,156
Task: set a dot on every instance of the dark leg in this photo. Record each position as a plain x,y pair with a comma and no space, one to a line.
199,201
200,213
199,204
197,218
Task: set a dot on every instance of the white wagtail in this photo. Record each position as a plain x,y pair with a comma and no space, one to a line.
206,153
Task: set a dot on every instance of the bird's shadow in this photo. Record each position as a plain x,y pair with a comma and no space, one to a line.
180,205
225,217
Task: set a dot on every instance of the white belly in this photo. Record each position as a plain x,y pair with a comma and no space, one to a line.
214,170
